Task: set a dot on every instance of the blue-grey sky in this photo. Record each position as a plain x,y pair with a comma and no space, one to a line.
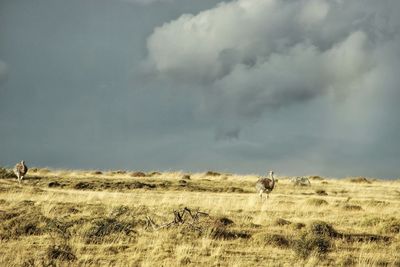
298,86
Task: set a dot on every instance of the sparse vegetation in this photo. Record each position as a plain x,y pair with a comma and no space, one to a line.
212,173
77,218
360,180
6,173
316,178
138,174
317,202
321,192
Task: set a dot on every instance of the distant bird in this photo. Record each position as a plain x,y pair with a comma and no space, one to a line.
301,181
265,185
20,170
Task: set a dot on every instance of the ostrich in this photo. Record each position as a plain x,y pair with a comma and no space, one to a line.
20,170
266,185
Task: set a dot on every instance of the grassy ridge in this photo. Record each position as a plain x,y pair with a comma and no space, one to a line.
102,218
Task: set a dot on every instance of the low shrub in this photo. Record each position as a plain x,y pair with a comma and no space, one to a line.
309,243
351,207
6,173
105,227
60,252
321,192
277,240
138,174
280,222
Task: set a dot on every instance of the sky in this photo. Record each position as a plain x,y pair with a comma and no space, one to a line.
302,87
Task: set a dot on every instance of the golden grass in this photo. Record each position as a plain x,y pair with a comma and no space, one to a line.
96,218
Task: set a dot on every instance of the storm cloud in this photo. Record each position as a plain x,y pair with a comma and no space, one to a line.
298,86
253,56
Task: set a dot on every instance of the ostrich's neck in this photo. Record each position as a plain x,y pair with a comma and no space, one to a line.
273,179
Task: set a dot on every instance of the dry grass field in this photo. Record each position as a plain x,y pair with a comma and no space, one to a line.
118,218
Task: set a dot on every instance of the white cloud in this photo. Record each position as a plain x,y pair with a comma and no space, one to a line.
248,56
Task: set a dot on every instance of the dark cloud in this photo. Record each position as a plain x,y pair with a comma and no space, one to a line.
249,59
3,71
301,87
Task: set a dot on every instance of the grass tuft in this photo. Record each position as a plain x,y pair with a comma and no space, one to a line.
60,252
281,222
102,228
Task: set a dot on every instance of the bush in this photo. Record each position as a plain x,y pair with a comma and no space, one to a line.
299,225
309,243
392,227
352,207
281,222
5,173
316,177
151,174
321,228
212,173
105,227
277,240
62,252
321,192
221,232
22,222
138,174
84,186
224,221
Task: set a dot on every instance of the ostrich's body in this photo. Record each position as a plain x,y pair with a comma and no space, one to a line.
301,181
20,170
265,185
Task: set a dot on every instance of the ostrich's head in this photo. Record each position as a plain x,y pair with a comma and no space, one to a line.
270,173
22,161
